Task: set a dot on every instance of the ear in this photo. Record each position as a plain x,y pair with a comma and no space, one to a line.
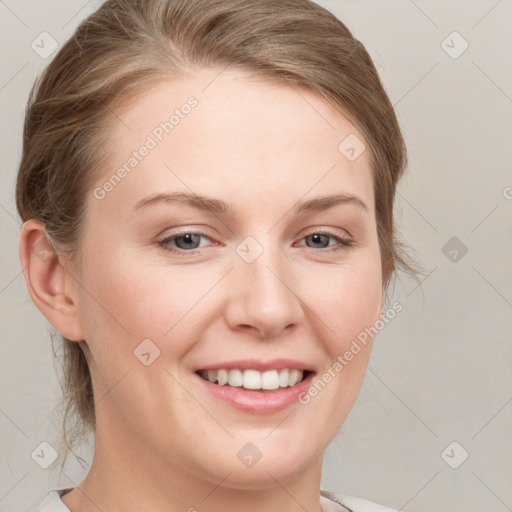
49,283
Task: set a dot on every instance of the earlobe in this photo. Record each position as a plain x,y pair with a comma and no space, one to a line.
48,280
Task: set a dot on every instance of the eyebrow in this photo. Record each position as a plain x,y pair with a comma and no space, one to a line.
220,207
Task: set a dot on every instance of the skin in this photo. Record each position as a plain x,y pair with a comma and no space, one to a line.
163,443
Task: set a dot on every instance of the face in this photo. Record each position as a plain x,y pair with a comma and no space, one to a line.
240,244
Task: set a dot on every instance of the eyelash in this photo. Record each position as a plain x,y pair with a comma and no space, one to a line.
345,243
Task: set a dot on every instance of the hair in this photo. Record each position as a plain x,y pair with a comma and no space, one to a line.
126,45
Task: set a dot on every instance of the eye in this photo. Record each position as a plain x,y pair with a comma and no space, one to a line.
184,242
322,238
190,242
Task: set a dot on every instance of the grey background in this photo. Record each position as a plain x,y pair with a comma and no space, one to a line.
440,371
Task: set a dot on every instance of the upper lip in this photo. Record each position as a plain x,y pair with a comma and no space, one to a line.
255,364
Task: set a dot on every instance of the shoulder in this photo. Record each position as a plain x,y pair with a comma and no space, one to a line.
354,504
52,502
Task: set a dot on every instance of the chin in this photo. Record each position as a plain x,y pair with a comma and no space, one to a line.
252,468
262,476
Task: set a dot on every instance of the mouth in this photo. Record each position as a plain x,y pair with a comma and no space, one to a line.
254,380
255,386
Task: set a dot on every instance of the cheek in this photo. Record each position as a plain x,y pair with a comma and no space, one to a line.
347,300
347,306
128,300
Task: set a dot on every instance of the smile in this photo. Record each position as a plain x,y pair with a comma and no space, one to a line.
253,379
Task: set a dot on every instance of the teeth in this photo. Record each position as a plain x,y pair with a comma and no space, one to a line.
236,378
270,380
222,377
294,377
253,379
283,378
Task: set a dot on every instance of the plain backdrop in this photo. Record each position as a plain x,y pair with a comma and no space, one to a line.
431,428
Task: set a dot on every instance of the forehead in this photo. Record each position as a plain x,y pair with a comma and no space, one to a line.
218,130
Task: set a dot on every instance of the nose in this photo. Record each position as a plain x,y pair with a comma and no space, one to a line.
263,295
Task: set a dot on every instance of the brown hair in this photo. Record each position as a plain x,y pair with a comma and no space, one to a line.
127,44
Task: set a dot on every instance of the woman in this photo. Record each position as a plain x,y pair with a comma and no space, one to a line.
207,194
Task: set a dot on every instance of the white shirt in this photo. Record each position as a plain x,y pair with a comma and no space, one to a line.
331,502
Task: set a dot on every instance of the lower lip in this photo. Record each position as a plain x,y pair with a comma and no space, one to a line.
258,402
